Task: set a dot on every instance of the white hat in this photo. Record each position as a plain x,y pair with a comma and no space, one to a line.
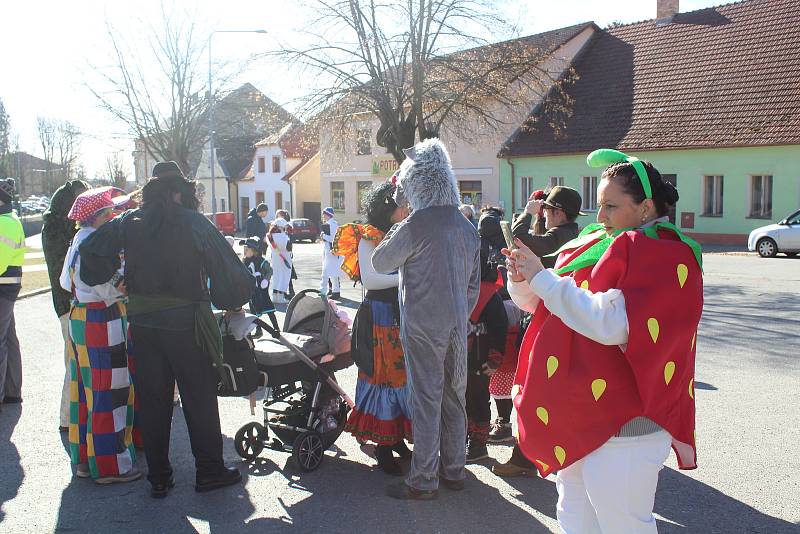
280,223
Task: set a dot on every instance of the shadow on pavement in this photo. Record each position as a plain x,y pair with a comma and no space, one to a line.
357,503
13,474
88,507
689,505
727,322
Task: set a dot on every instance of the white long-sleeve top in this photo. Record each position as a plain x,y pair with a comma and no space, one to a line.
601,317
370,278
105,293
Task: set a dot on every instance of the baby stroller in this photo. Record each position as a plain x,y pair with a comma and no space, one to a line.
304,407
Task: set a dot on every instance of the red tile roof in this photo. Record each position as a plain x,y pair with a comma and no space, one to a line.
717,77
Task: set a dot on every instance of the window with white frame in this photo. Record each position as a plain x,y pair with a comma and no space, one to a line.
556,180
589,196
337,195
526,183
761,196
712,195
363,144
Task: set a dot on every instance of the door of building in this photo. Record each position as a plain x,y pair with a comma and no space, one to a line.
313,212
673,179
244,203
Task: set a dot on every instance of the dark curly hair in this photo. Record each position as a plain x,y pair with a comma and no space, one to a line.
664,193
379,205
159,191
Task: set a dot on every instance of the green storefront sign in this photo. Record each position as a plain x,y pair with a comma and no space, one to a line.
384,167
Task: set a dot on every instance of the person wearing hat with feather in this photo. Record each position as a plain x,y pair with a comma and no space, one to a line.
12,253
605,377
101,392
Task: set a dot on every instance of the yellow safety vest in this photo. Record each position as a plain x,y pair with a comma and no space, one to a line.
12,248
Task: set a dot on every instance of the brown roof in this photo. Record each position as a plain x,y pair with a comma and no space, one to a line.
723,76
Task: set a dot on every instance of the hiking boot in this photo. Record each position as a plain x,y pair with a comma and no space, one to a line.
403,491
500,432
159,490
510,469
228,477
335,296
476,450
386,461
131,475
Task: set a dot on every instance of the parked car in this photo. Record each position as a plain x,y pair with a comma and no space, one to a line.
303,229
226,222
783,237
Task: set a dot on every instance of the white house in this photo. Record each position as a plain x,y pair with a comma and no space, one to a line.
265,183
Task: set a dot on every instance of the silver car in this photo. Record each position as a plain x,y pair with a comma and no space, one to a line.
781,237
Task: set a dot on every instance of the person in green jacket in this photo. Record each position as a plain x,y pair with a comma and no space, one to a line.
57,234
12,252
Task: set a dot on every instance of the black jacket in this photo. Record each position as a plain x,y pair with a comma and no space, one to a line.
57,234
255,227
542,245
168,254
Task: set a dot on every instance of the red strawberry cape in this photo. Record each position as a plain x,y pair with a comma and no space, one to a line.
578,393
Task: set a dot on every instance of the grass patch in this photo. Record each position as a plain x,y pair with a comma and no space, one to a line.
34,280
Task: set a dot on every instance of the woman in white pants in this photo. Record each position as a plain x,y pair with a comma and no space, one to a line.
281,259
606,369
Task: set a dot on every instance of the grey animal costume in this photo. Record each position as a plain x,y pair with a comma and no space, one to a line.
437,253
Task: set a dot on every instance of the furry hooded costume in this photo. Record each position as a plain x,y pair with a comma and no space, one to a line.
436,251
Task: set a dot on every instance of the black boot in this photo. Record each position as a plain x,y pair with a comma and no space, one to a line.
386,461
401,449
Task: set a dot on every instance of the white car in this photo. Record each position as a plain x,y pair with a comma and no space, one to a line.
781,237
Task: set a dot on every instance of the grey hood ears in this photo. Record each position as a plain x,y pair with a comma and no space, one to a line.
426,176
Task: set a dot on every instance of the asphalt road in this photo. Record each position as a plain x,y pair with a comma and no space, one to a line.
748,394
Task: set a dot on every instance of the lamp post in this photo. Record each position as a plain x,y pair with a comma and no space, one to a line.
212,157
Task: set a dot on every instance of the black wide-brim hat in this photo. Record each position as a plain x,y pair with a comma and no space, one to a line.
167,169
566,199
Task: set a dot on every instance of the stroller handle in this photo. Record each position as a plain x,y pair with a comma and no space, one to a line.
270,330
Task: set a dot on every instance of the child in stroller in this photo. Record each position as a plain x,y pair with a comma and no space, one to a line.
304,406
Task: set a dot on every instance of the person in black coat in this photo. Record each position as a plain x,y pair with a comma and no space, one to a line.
176,265
257,222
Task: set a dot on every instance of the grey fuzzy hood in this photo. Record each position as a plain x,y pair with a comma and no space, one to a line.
426,176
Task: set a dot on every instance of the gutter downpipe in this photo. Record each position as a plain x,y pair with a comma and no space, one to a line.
513,187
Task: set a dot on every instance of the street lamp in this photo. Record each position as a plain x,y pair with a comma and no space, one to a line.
213,156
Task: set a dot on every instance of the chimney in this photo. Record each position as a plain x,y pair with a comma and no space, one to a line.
665,10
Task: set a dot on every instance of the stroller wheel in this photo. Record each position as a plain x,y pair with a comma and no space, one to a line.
249,440
308,451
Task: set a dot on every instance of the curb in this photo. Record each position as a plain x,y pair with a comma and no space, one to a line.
33,293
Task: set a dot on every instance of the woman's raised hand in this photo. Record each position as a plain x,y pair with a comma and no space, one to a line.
522,263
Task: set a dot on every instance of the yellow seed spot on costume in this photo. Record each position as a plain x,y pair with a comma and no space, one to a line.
585,284
545,467
691,388
541,413
598,388
552,365
694,338
683,273
652,326
560,453
669,371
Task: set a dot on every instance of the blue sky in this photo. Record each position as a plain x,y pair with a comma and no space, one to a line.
49,46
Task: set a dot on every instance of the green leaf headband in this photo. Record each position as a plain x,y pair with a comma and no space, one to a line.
603,157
